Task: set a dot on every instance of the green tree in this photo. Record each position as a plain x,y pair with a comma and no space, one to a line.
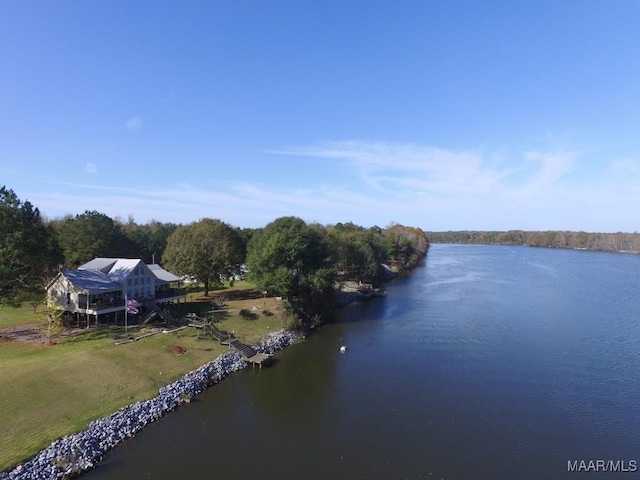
89,235
357,252
404,245
147,241
27,247
286,256
52,324
209,250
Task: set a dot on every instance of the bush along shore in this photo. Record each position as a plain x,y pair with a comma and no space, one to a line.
70,456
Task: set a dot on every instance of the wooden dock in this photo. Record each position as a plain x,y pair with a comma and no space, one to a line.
207,328
249,355
258,359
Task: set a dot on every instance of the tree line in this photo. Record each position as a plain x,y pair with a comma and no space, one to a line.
287,257
608,242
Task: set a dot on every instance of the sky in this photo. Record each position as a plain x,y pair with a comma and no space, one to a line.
444,115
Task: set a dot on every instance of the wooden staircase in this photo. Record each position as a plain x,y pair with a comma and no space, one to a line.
246,350
155,311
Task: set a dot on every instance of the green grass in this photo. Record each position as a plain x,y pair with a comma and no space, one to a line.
13,317
52,391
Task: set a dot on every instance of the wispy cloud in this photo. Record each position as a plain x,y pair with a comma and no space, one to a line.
414,169
134,123
551,168
474,188
376,183
90,167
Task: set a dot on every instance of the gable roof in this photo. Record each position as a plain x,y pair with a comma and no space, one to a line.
117,268
123,267
162,274
91,280
108,274
102,264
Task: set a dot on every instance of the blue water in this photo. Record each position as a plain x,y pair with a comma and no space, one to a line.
487,362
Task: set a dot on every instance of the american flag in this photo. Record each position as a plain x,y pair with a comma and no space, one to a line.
132,306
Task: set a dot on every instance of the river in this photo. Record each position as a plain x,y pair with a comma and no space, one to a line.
488,362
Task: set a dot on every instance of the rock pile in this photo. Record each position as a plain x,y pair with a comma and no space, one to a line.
275,341
70,456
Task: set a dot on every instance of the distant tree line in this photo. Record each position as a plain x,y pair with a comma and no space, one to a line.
608,242
287,257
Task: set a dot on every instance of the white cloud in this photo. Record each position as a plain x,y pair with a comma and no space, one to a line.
376,183
468,189
552,167
134,123
90,167
406,169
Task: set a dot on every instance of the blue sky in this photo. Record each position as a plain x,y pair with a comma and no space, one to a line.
445,115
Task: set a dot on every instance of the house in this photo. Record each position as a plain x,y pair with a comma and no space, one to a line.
101,288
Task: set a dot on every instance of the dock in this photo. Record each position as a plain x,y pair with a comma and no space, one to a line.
258,359
208,330
249,355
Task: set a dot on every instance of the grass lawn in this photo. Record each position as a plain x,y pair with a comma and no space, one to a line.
13,317
51,391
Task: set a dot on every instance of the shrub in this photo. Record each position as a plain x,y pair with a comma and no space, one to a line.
291,321
248,314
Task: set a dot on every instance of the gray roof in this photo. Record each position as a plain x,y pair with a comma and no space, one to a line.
123,267
102,264
162,274
117,268
91,280
105,274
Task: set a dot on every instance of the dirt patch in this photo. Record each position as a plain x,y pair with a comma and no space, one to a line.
178,350
32,333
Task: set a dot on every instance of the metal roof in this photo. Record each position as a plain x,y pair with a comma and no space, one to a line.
102,264
162,274
110,273
122,268
91,280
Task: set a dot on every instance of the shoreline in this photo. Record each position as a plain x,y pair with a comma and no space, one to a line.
75,454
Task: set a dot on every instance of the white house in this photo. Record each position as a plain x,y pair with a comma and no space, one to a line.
101,288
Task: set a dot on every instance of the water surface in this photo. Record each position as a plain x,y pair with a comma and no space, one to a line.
488,362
